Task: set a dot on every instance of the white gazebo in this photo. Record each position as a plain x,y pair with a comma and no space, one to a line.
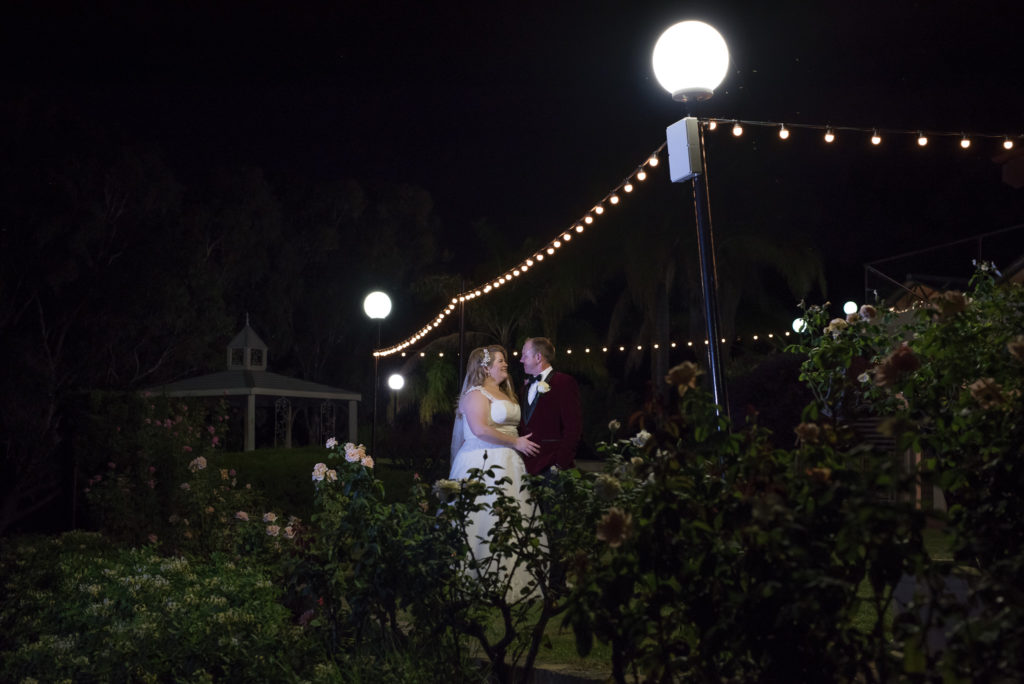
247,376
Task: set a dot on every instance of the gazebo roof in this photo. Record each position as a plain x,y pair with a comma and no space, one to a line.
247,376
255,382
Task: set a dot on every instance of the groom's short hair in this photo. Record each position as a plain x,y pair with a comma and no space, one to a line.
543,346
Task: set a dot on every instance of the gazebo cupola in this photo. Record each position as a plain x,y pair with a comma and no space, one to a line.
247,351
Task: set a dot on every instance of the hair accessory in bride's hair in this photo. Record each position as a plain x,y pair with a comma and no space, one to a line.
487,358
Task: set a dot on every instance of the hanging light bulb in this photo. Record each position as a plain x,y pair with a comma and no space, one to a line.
783,132
641,175
829,135
653,161
614,199
598,210
875,138
965,142
588,220
922,140
712,125
628,187
737,130
579,228
1007,144
566,237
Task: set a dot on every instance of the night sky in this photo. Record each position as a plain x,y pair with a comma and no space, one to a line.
527,113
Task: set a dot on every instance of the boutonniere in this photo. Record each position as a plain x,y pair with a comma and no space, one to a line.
543,387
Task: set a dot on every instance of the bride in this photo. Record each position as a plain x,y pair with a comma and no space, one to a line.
485,437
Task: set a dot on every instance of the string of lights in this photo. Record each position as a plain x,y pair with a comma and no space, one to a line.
829,132
874,135
638,347
614,196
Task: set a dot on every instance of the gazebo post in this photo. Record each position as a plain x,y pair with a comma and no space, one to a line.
288,428
353,423
250,423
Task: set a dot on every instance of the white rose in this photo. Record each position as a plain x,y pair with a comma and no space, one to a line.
641,438
543,387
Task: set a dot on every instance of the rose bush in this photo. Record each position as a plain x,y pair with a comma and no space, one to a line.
945,379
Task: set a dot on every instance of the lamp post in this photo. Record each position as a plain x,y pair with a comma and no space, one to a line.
690,60
377,305
395,382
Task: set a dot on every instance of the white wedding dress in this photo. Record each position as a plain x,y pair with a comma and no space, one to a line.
506,463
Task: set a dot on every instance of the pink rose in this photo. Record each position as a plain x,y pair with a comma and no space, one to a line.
187,448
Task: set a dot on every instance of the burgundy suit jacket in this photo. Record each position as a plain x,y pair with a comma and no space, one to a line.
556,424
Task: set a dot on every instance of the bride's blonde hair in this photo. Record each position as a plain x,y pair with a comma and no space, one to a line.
478,363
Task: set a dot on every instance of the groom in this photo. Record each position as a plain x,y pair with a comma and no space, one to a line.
551,409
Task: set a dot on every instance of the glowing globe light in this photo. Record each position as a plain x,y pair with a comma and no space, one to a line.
799,325
396,381
850,308
377,305
690,60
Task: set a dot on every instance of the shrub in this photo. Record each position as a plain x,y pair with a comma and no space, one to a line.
81,610
727,560
946,379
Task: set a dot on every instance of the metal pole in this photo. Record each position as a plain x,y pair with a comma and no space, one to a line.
709,277
373,422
